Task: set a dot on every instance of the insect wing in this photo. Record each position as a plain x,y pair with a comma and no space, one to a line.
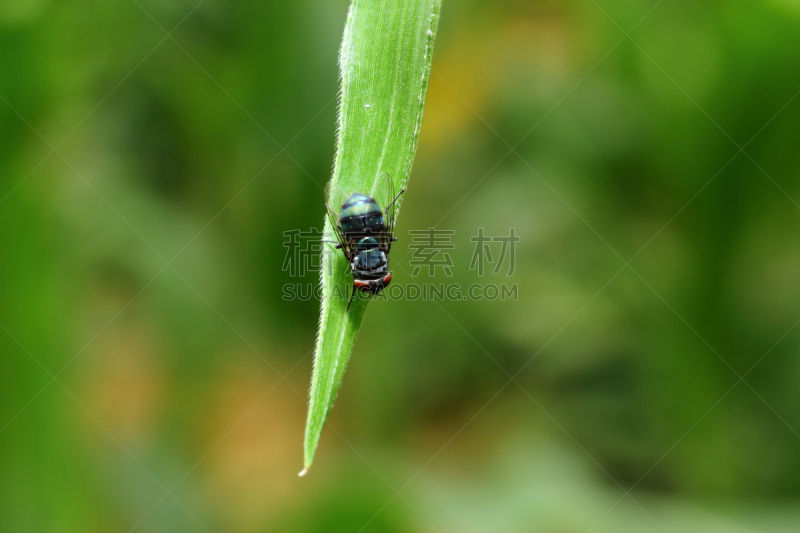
385,192
331,202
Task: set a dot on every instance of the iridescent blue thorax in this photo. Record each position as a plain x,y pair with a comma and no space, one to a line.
370,261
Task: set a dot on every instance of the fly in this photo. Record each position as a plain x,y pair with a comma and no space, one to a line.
365,233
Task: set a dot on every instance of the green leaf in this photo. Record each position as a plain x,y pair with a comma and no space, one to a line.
385,63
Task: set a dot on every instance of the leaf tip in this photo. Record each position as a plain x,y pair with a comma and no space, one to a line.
303,472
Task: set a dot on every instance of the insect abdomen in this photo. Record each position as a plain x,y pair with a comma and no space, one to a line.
361,214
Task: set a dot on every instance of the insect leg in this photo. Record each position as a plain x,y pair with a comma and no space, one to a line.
395,199
352,295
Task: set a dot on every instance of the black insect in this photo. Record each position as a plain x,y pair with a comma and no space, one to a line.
365,233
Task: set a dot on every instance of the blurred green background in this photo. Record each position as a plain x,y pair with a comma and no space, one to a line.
141,267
